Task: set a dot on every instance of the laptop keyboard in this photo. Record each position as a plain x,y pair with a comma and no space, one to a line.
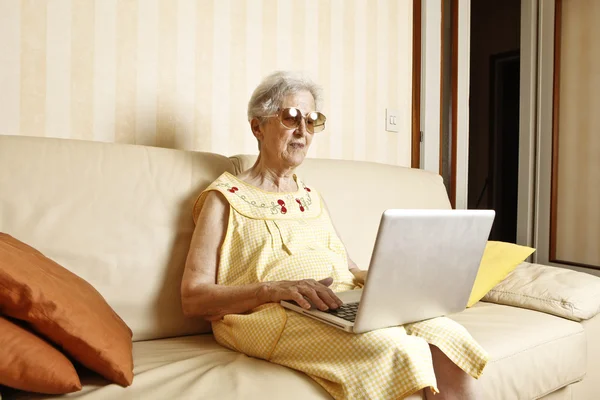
346,311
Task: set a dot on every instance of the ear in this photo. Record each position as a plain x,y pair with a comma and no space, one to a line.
257,130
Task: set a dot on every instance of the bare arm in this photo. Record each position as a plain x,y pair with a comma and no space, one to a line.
200,294
202,297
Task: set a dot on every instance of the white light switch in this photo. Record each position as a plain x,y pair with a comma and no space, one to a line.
391,120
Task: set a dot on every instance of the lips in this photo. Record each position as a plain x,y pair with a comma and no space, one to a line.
297,145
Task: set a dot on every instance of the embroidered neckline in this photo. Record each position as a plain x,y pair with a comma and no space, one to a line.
300,187
283,202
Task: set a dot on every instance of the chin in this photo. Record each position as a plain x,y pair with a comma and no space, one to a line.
296,159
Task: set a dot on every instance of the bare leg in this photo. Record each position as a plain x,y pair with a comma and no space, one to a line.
453,382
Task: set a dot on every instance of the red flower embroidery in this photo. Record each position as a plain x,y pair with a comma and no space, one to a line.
233,189
283,210
301,208
307,189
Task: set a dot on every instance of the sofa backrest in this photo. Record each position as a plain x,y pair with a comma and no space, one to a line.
357,192
119,215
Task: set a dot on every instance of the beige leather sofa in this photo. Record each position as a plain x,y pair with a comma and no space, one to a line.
120,217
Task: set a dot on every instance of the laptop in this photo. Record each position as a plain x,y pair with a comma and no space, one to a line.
423,265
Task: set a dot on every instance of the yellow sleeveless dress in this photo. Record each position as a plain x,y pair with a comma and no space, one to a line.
289,236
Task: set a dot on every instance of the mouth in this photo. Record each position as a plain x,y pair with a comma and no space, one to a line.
297,146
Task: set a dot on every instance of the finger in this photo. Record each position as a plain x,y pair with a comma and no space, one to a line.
300,300
335,297
327,281
328,297
314,297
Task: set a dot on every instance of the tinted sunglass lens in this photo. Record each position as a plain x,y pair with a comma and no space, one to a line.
318,121
290,117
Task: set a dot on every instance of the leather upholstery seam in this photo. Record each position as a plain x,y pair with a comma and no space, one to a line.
538,345
546,300
579,379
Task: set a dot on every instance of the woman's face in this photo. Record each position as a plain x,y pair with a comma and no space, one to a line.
280,146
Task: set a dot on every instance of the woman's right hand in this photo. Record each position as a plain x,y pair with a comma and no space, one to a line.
317,292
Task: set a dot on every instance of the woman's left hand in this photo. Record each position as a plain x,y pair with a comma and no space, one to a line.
359,274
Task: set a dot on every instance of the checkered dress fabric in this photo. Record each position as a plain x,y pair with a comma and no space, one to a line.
289,236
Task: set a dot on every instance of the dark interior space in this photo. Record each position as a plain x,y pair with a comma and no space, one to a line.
494,112
504,139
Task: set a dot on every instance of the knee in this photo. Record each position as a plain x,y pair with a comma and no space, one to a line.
442,361
453,382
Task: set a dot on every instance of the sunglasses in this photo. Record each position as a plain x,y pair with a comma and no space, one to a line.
291,118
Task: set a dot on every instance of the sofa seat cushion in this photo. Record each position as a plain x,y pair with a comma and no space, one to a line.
531,353
196,367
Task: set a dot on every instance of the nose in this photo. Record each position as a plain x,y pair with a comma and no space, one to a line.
301,129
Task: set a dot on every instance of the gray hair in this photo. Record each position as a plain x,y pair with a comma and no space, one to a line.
269,94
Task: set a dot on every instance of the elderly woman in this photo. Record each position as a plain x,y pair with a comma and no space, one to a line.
265,236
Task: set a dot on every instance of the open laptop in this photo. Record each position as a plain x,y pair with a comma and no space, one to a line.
423,266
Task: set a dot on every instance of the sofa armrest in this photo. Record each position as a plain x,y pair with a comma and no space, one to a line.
552,290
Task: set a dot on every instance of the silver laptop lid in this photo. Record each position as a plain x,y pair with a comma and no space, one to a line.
423,265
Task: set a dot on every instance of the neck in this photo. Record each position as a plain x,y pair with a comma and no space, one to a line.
272,178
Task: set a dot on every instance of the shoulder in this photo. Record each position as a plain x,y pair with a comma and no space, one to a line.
212,199
215,209
215,200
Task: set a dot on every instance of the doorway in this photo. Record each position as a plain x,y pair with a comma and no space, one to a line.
504,143
494,112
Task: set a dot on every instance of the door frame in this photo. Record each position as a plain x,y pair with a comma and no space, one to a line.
435,94
526,210
416,86
535,145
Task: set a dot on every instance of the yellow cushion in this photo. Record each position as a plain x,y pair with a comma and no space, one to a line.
499,259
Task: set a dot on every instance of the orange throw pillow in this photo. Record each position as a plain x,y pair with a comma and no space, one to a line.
65,309
29,363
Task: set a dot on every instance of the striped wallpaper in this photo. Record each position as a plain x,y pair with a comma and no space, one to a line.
179,73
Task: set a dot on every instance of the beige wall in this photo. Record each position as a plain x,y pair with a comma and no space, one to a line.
578,212
178,73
